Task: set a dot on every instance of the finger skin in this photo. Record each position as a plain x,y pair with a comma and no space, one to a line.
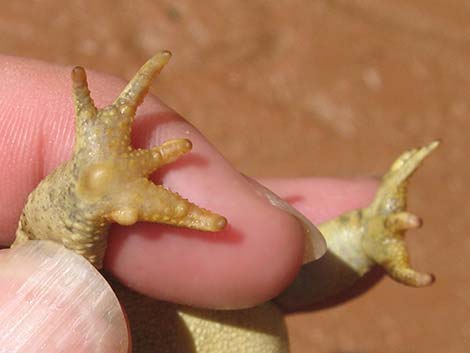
230,269
52,300
321,199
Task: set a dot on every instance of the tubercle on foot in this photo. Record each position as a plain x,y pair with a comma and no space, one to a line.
106,180
388,220
375,235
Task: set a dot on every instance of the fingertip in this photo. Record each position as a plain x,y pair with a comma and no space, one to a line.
246,263
254,258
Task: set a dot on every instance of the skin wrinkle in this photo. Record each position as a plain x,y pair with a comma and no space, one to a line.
357,240
53,300
105,180
234,262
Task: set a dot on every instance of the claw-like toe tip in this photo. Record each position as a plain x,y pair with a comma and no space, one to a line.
431,279
187,145
166,53
410,277
78,74
423,280
163,56
434,144
220,223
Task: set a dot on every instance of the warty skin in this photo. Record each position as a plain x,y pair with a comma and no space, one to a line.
357,241
78,201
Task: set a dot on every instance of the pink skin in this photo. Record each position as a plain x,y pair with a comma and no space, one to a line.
233,268
54,300
321,199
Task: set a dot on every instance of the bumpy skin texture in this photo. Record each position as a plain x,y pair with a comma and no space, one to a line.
106,180
364,238
162,327
357,241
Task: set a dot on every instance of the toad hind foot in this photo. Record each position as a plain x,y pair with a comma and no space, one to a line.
106,180
389,220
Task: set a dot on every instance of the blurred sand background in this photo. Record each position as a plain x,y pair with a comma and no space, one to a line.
301,88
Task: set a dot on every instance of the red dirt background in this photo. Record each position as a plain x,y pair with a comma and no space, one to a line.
300,88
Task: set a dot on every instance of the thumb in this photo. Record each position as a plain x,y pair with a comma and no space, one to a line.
52,300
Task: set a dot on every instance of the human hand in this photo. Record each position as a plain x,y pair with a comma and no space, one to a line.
234,268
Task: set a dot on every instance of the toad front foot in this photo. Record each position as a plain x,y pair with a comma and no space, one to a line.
106,180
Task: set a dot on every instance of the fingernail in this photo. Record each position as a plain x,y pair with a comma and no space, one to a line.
315,244
53,300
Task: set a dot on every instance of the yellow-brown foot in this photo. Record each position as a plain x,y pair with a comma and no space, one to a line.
383,241
360,239
106,180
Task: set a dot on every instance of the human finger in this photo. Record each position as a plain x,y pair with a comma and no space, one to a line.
52,300
205,269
